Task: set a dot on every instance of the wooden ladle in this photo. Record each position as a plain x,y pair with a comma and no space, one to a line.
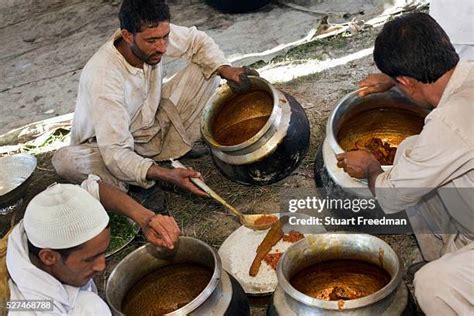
245,219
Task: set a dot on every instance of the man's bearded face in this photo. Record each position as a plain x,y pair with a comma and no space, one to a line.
150,44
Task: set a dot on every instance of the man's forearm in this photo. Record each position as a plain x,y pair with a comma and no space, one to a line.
156,172
373,171
120,203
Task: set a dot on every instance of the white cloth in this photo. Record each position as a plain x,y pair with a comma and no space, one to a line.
456,18
446,286
31,283
439,159
117,103
91,185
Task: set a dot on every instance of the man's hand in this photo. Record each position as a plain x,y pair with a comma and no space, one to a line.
231,73
237,77
158,229
360,164
161,231
357,163
375,83
182,178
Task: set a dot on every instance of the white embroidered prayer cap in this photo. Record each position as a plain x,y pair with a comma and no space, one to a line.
63,216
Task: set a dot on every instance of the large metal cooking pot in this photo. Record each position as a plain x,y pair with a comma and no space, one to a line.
390,116
221,296
390,300
242,6
276,149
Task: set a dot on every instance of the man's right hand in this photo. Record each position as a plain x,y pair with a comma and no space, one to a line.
179,177
375,83
161,230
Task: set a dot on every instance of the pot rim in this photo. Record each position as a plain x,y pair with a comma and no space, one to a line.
13,178
329,130
388,289
224,92
331,137
198,300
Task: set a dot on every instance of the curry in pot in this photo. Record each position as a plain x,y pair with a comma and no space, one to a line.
335,280
166,289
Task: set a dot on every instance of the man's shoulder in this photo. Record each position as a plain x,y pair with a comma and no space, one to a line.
454,118
461,85
104,61
89,303
456,101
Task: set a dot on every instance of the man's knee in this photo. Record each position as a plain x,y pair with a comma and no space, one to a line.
424,279
59,161
65,165
432,286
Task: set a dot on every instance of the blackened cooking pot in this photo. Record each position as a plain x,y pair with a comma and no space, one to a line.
241,6
256,138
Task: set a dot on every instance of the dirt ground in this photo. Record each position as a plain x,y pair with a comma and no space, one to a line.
318,93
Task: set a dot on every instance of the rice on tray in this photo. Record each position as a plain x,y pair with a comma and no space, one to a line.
241,259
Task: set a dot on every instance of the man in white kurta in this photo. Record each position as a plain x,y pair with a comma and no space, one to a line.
67,216
126,116
432,177
30,282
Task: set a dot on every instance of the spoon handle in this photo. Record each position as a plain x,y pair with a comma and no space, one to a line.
203,186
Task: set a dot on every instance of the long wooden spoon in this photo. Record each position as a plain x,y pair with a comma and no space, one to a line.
245,219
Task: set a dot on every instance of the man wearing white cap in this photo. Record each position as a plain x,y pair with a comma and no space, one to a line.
60,244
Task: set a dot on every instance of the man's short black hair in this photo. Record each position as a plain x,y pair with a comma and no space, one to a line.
63,252
414,45
134,14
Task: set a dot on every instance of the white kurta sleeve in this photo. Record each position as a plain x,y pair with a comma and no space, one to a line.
114,139
197,47
91,185
436,157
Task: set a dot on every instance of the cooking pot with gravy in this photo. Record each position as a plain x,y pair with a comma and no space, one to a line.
387,117
344,274
186,281
258,137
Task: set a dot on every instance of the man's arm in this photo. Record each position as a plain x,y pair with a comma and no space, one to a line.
374,83
158,229
197,47
431,159
179,177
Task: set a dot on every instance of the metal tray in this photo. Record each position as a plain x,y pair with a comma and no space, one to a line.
15,171
134,228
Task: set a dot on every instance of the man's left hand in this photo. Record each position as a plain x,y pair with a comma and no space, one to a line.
357,163
231,73
161,230
237,77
